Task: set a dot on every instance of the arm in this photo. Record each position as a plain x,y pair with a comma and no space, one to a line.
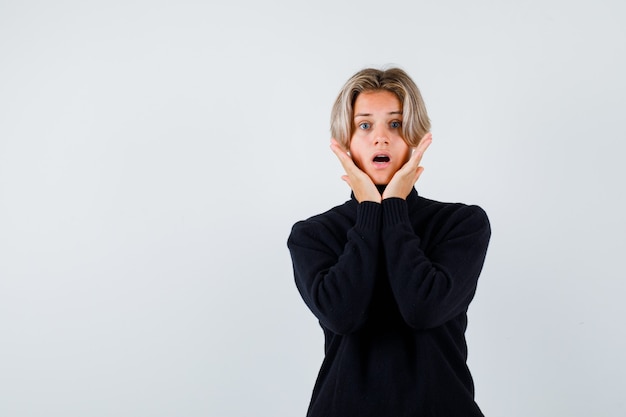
432,288
335,281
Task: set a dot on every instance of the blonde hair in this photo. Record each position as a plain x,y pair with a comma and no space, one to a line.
415,121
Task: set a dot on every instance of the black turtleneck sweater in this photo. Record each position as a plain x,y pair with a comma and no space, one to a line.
390,284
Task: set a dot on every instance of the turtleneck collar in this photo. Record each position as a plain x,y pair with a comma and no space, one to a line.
381,188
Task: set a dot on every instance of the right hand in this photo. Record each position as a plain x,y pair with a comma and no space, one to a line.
361,184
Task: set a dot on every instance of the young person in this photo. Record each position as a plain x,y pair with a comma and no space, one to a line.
389,274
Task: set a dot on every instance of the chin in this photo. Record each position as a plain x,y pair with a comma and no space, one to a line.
381,181
379,178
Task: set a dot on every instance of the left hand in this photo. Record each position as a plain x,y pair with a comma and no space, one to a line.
405,178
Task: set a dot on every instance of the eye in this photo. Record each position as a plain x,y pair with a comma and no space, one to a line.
395,124
364,125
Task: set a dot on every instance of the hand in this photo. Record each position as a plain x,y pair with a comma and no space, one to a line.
361,184
405,178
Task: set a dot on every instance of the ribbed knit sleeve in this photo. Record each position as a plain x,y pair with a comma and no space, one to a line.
395,212
336,274
434,283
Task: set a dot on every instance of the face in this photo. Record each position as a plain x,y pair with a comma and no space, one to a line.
377,146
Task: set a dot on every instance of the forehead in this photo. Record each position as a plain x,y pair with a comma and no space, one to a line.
379,101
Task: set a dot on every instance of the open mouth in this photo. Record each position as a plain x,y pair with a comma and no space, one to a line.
381,159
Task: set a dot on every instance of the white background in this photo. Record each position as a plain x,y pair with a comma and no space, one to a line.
154,155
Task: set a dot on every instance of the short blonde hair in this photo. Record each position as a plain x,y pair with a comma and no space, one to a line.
415,121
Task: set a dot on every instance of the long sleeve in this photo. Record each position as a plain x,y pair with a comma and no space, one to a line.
335,272
433,281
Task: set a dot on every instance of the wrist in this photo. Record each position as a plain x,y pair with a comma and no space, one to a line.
394,194
370,199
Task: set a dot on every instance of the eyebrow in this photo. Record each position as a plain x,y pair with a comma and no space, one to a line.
369,114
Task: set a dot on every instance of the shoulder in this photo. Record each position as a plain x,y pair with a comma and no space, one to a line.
451,215
335,221
423,203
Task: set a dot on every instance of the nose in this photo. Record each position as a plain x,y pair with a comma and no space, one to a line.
381,137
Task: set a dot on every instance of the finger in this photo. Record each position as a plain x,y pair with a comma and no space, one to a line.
339,150
339,147
346,161
418,152
336,142
414,160
336,148
424,143
343,157
418,173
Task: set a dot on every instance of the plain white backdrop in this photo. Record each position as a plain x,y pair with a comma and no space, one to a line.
154,155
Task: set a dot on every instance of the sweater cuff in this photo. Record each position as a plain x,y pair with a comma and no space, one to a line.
368,215
395,211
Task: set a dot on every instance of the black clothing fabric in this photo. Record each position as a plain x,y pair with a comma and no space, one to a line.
390,284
